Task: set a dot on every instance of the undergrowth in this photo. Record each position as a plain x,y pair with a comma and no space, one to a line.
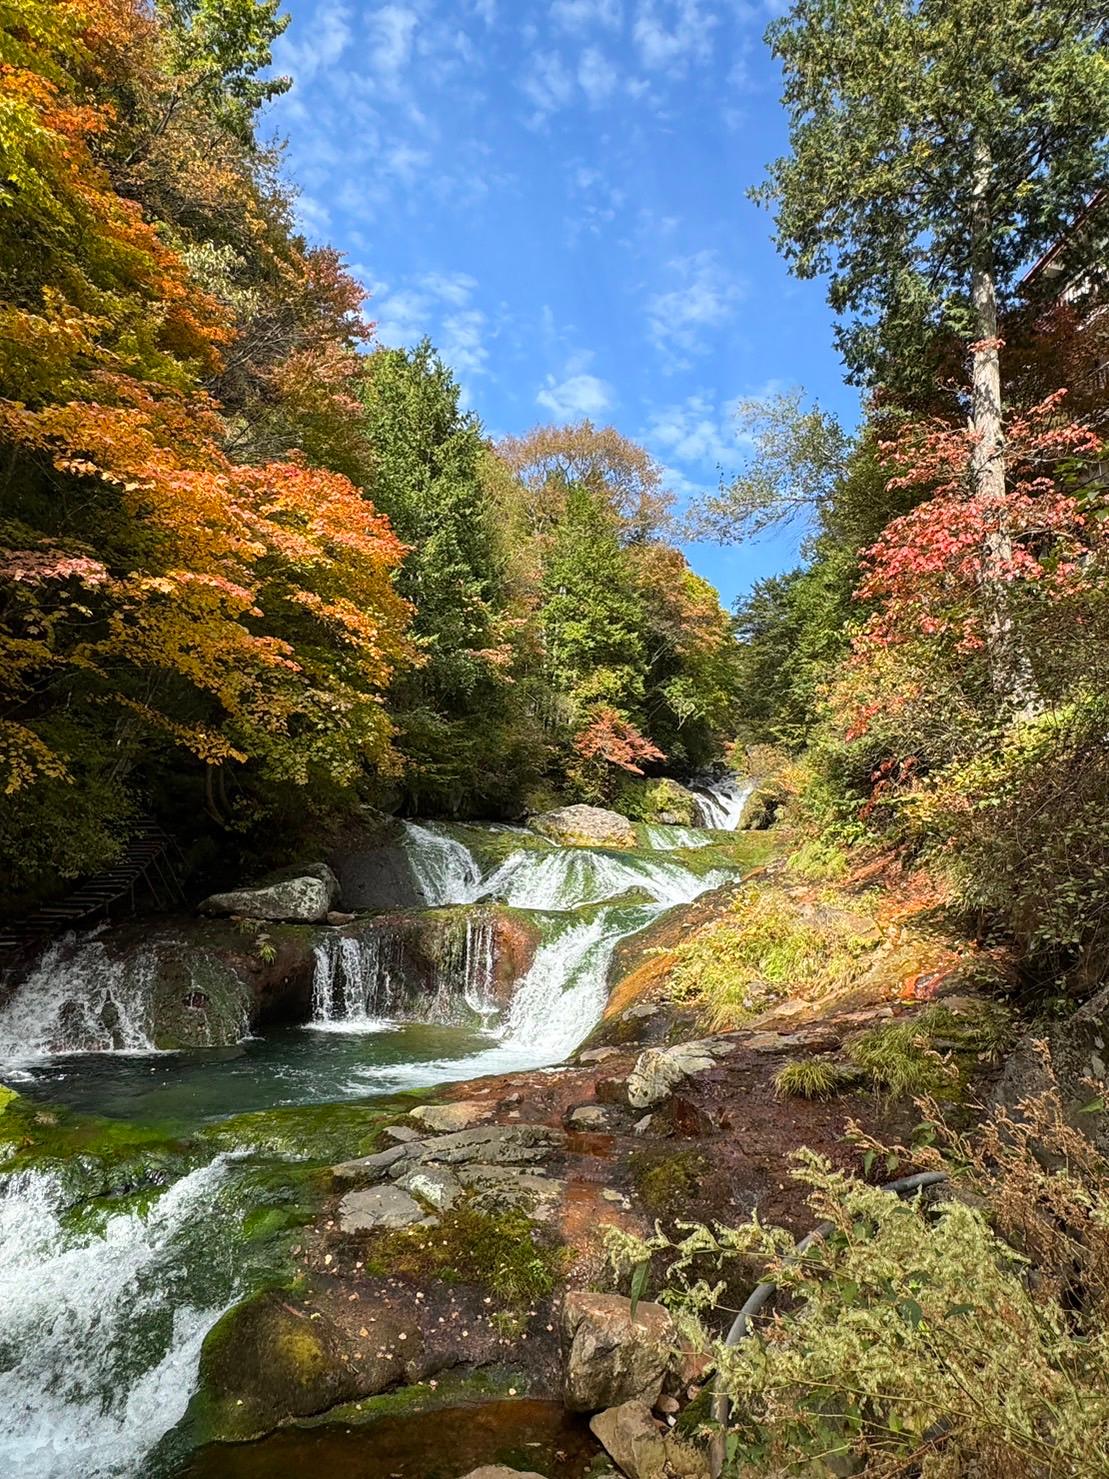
765,948
963,1336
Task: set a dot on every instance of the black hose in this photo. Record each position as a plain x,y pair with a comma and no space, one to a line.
741,1325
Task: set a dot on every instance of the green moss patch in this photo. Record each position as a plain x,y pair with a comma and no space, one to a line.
503,1252
666,1184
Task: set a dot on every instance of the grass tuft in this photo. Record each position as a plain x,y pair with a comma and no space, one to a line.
813,1078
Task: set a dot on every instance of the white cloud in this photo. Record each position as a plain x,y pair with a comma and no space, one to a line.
485,10
579,394
581,15
463,342
320,48
673,33
703,299
392,32
696,430
596,75
440,306
548,85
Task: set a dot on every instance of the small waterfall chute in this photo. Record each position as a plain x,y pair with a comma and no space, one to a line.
722,801
365,982
79,999
445,869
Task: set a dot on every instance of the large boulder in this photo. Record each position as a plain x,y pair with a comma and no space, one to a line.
307,898
642,1449
658,1071
1075,1062
267,1361
585,826
610,1357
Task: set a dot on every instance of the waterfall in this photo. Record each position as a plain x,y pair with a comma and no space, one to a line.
572,877
78,999
563,994
722,801
364,983
554,878
100,1331
446,871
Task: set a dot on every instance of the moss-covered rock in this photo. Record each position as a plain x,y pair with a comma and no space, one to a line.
663,800
267,1361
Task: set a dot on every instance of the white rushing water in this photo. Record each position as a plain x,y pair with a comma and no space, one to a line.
722,801
360,983
77,999
555,878
99,1337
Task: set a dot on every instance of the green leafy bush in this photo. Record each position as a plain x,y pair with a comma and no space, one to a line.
963,1336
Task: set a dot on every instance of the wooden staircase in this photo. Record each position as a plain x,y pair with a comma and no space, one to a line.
149,866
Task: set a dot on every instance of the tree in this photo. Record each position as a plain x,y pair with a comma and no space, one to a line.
463,731
798,457
937,148
548,459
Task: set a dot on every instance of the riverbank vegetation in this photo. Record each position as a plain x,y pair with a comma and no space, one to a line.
938,660
257,569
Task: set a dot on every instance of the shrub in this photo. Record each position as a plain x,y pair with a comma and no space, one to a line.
962,1337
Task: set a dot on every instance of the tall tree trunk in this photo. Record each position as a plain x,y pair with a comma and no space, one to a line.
1010,670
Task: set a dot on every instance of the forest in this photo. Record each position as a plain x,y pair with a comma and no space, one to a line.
257,570
684,1028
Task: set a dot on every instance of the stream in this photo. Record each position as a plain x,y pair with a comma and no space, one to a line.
114,1265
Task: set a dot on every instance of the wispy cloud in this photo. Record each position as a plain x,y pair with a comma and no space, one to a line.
697,431
392,32
439,305
303,56
670,34
702,300
596,75
548,84
578,394
584,15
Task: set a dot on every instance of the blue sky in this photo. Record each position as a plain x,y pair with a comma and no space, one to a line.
553,191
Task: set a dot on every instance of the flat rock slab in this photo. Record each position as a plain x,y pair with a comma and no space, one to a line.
588,1117
370,1167
307,899
489,1145
388,1207
444,1117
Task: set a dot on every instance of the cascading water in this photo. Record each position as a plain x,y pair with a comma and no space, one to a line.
100,1330
77,999
666,839
722,801
362,983
102,1319
446,871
